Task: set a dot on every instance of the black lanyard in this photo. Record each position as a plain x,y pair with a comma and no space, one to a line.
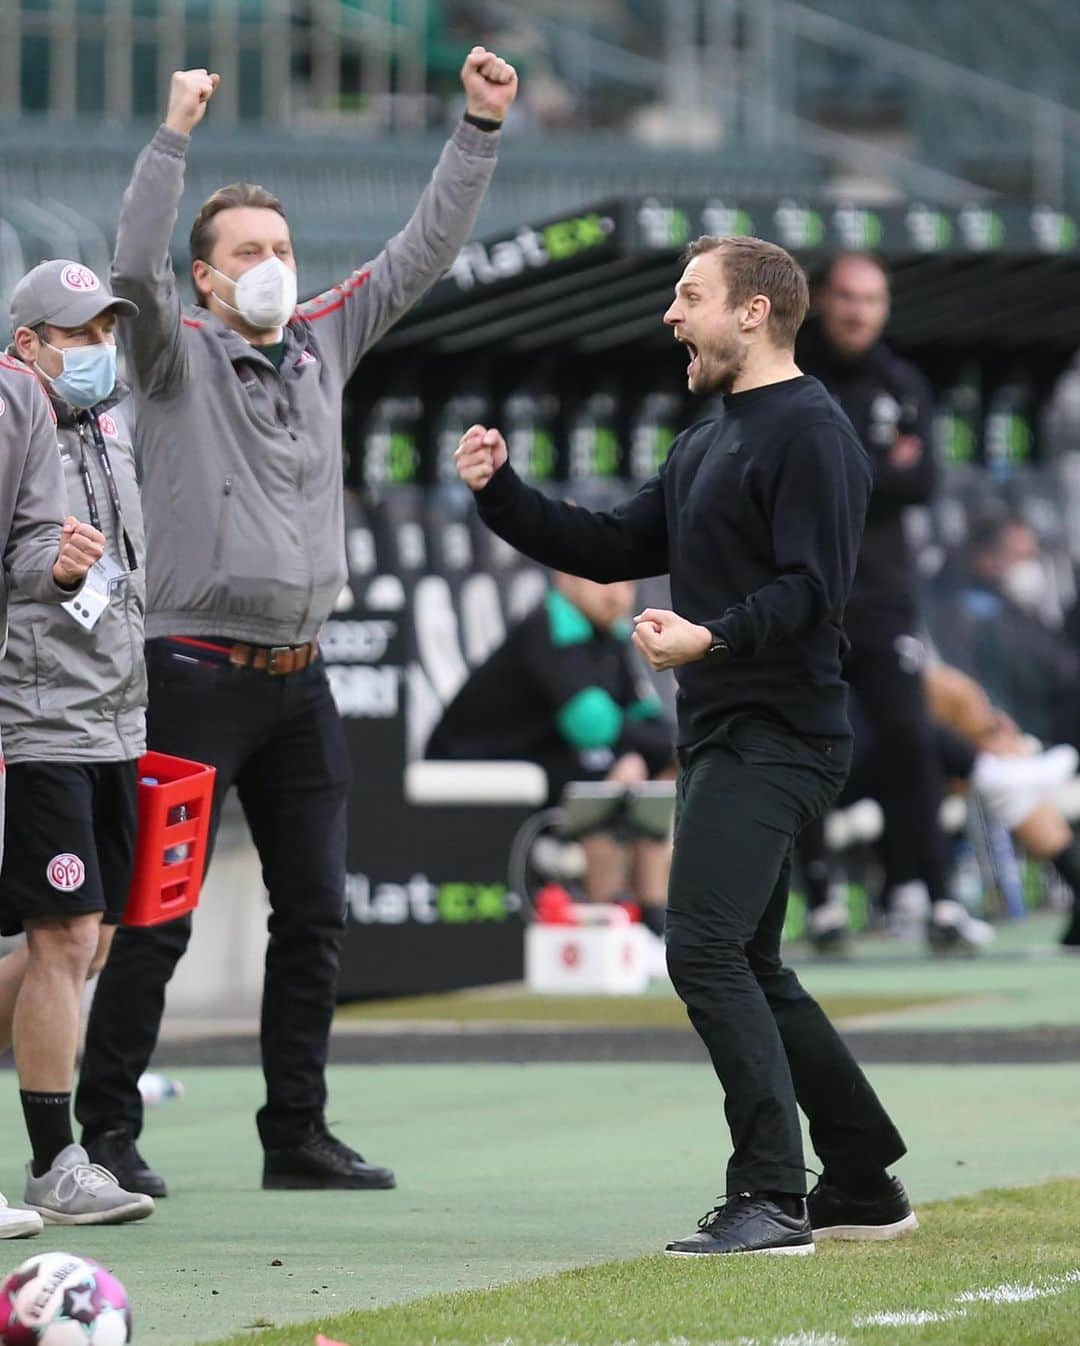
91,490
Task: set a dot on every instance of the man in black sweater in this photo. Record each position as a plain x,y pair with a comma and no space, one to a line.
889,404
757,516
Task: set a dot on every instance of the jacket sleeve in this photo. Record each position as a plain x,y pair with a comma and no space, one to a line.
142,268
626,543
819,505
914,485
357,312
40,505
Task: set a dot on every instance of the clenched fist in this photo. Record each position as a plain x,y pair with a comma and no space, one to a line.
490,84
479,455
80,547
668,640
189,93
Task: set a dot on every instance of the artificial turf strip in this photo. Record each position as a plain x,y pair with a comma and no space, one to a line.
995,1269
660,1010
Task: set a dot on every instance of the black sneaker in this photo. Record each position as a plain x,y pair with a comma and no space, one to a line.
320,1161
746,1223
115,1151
836,1215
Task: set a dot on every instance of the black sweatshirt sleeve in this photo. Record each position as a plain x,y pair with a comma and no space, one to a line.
821,490
626,543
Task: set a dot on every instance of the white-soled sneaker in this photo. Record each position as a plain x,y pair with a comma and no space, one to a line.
18,1224
953,929
75,1191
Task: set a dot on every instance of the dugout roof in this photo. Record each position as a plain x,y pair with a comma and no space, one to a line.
597,280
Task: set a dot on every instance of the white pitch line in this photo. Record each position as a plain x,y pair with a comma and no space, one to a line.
907,1318
1008,1292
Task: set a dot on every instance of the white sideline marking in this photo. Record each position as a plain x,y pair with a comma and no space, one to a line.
810,1339
907,1318
1008,1292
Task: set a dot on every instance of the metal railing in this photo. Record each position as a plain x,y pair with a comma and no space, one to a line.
722,72
282,37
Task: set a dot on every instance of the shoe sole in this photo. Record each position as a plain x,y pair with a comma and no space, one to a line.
21,1229
287,1182
869,1233
119,1215
801,1250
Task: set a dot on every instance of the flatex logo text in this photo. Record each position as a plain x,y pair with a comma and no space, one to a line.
480,264
427,903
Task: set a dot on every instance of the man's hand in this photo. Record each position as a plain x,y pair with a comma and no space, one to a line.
80,547
907,450
479,455
490,84
630,769
189,94
668,640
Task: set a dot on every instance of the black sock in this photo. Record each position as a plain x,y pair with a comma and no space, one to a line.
652,918
48,1124
789,1203
1067,864
865,1181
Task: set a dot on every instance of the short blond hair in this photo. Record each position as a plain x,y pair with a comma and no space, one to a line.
753,266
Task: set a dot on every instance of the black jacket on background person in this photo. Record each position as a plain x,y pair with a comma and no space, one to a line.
757,515
561,693
884,397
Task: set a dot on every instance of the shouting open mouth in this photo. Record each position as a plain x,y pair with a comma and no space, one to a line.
692,352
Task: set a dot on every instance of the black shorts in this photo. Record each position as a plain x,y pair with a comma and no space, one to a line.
69,840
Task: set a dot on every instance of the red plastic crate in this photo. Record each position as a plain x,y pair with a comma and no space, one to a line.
159,891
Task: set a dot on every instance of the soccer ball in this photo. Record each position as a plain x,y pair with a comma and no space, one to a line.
60,1300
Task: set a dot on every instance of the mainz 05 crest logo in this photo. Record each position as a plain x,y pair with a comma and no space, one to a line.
66,872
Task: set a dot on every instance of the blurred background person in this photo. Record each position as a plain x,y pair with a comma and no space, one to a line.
565,690
998,626
890,404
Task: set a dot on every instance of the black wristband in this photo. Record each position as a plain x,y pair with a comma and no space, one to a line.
483,123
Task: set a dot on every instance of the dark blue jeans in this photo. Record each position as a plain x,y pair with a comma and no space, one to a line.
743,797
280,742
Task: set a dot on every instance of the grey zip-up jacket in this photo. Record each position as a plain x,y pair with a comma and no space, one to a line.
242,465
68,694
33,502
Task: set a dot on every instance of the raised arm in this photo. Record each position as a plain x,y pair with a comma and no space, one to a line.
142,266
358,311
626,543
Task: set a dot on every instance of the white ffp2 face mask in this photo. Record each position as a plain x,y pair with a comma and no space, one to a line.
1025,584
265,295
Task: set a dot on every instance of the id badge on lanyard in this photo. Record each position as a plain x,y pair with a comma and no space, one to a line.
105,580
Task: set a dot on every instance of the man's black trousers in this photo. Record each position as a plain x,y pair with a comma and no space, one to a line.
743,797
280,741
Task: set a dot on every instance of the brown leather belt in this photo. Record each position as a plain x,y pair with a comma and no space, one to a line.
277,660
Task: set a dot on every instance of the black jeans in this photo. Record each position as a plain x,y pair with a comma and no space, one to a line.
280,741
743,796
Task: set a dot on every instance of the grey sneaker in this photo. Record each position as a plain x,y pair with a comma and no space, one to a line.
75,1191
18,1224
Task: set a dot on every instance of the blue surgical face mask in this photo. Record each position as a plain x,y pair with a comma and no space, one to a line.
88,376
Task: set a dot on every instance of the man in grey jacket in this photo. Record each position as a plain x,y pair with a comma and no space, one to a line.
45,562
73,708
239,413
